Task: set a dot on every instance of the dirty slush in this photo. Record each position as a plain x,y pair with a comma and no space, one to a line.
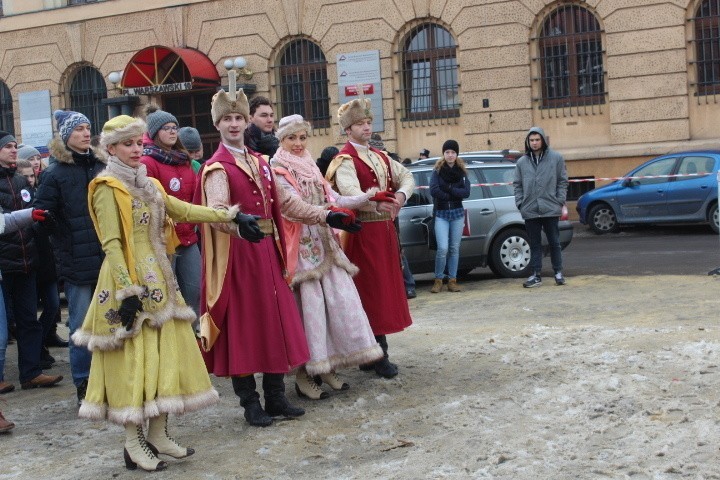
606,377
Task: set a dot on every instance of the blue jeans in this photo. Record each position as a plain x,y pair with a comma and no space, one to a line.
50,298
534,228
448,235
407,274
186,266
3,336
21,296
78,298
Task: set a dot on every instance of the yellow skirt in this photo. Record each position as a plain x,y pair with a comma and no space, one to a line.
157,371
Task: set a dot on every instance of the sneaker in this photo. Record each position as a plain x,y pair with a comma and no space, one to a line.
559,279
533,281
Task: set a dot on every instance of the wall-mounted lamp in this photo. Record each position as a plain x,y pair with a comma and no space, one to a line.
240,64
115,78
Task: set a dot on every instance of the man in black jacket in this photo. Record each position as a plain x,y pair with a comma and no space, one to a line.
17,262
63,190
260,133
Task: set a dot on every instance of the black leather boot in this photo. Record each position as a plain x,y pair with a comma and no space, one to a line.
276,403
250,400
384,367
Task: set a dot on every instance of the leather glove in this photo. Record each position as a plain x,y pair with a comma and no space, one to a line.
39,215
46,217
338,218
128,310
383,196
248,227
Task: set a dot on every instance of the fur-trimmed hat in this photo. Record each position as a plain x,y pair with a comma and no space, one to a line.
354,111
67,120
292,124
223,105
121,128
156,118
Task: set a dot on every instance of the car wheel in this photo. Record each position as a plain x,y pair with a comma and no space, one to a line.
510,254
714,220
602,219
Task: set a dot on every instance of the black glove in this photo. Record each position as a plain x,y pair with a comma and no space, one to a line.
248,227
338,219
50,222
129,308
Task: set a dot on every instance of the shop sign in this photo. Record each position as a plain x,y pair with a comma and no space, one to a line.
154,89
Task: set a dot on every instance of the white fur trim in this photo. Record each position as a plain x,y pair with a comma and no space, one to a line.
128,292
354,359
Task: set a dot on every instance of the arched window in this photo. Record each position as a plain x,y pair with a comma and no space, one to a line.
87,90
303,82
707,47
7,120
430,73
571,58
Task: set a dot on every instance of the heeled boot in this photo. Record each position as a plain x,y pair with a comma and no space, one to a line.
384,367
138,453
250,400
453,285
334,381
160,442
276,403
437,286
306,387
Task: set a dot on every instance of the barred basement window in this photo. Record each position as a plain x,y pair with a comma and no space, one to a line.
576,189
303,83
571,59
7,119
429,73
707,47
80,2
87,90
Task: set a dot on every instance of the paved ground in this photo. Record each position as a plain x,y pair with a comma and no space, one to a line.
607,377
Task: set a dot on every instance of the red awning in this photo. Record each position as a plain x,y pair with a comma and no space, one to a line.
160,65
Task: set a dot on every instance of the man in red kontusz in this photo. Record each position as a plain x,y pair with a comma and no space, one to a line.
375,250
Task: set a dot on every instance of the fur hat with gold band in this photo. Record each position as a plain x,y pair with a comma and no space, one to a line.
222,105
121,128
354,111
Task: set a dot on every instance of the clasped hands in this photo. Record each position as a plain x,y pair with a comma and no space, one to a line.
389,202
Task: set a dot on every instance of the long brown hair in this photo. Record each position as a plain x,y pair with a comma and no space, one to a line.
441,163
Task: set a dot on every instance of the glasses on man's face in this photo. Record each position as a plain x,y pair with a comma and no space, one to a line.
169,128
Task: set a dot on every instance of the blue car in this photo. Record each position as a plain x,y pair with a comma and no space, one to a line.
685,190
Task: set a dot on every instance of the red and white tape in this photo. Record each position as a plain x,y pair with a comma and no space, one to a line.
601,179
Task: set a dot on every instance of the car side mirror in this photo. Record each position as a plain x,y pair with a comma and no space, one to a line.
629,182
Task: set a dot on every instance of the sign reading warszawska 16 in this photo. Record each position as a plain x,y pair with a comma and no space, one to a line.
167,88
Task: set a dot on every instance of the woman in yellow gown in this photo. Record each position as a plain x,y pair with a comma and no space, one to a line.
145,359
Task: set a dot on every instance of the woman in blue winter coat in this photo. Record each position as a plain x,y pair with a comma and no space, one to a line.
449,185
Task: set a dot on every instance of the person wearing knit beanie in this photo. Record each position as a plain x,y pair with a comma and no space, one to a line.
156,119
26,152
451,145
326,157
67,121
190,138
5,138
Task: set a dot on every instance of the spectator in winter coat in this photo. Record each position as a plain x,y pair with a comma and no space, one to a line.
17,263
541,183
32,155
190,138
63,190
166,159
260,133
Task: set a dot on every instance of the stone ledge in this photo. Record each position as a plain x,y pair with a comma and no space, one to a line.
637,149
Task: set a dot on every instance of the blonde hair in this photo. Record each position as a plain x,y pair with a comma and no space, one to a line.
441,162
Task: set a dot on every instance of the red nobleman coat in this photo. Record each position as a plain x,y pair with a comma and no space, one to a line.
243,284
375,249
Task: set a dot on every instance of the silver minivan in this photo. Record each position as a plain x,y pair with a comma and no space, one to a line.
497,231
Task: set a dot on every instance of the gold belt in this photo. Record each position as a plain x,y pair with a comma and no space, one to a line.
372,216
267,226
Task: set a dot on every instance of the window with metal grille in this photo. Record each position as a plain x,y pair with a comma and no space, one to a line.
7,119
429,73
576,189
81,2
571,58
192,109
303,82
87,90
707,47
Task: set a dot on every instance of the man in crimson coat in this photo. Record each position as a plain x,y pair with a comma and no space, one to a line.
375,250
250,322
